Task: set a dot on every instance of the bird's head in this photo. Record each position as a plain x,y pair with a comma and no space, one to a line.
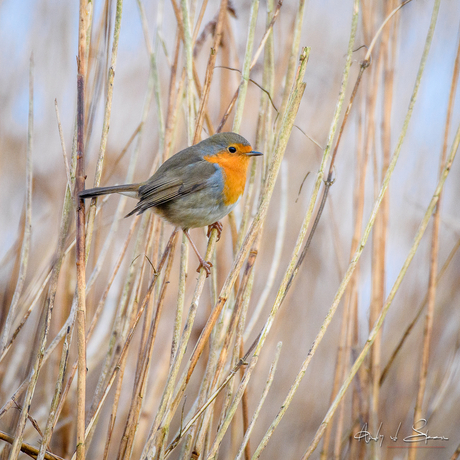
231,145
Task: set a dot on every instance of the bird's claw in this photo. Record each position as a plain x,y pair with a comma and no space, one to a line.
218,226
206,265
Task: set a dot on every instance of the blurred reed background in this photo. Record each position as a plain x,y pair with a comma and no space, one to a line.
304,320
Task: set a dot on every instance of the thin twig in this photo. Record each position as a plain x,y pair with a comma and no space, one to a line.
64,153
29,450
266,389
80,237
386,307
432,281
210,70
417,239
25,248
417,316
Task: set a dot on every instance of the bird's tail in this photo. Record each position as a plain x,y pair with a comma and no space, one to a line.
126,189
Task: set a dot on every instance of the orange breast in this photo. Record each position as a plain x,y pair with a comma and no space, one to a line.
234,168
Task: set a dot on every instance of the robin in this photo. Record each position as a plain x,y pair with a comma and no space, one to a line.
196,187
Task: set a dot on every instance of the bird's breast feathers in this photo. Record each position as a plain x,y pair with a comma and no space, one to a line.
233,170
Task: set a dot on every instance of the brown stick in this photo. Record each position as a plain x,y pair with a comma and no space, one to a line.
210,71
432,281
31,451
80,229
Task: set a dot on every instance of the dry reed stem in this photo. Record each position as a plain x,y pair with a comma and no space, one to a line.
432,282
64,153
363,241
17,443
53,277
91,328
236,312
143,366
420,309
379,237
173,97
167,408
267,33
352,297
319,177
257,223
29,450
234,329
238,350
188,45
114,164
243,87
155,77
277,253
210,400
94,73
180,298
80,236
255,227
53,411
213,451
378,264
285,130
129,335
348,325
292,63
456,454
116,401
200,439
396,285
202,431
66,330
210,70
264,118
296,259
25,247
271,376
371,128
105,131
126,305
247,67
69,324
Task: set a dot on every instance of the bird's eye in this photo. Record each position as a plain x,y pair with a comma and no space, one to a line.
232,149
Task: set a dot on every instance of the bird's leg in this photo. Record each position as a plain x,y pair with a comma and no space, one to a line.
206,265
218,226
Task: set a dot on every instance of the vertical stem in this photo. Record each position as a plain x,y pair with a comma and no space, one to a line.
394,289
246,67
293,56
28,216
80,229
210,70
189,67
16,445
380,231
106,122
432,281
365,237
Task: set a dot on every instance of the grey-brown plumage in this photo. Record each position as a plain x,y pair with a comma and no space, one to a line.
196,187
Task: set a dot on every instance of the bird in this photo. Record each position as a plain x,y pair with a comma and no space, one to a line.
196,187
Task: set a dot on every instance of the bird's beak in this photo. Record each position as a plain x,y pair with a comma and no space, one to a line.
253,153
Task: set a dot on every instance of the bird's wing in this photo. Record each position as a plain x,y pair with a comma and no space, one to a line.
170,183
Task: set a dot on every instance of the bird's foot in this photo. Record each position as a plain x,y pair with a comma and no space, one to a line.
218,226
203,264
206,265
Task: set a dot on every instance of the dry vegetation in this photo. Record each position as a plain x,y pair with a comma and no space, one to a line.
334,297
